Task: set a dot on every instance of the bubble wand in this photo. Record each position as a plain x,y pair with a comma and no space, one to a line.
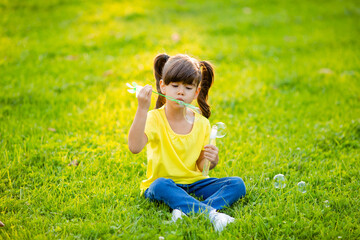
136,89
217,131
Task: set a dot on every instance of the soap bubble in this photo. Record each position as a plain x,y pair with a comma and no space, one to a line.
221,129
302,187
190,114
279,181
326,203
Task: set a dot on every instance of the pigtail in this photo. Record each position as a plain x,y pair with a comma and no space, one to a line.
207,79
159,63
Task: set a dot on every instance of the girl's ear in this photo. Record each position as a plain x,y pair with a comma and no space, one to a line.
197,91
162,86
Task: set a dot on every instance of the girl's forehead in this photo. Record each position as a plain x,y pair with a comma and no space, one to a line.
184,83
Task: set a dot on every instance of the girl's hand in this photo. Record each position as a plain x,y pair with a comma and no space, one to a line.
211,153
144,97
137,138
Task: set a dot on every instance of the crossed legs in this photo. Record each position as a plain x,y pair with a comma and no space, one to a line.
216,192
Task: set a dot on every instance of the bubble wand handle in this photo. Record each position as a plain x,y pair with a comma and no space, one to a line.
212,141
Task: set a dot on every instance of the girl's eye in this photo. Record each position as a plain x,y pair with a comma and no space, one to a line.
174,85
188,88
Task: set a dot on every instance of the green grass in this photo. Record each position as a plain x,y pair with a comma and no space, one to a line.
287,85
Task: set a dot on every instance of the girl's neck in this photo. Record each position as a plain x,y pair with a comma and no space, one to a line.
174,114
176,120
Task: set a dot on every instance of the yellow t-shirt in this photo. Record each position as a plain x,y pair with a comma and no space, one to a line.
172,155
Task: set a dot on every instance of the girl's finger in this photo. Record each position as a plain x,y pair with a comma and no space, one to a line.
211,151
148,90
210,156
212,147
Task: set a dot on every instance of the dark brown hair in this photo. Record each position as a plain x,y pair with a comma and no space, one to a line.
182,68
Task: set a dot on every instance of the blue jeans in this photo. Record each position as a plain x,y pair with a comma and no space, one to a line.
216,193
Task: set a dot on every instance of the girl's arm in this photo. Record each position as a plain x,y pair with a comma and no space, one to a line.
210,153
137,138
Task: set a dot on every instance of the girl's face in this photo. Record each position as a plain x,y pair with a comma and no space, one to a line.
180,91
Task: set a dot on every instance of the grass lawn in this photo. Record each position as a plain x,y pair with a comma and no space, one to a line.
287,86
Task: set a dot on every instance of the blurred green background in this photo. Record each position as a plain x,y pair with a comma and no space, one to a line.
286,84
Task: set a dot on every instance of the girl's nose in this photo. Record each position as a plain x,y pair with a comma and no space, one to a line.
181,90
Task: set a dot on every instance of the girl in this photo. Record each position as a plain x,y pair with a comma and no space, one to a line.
177,149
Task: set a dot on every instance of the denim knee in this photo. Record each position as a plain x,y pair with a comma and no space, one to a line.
239,186
159,187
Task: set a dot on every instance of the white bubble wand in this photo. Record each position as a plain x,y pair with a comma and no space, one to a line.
217,131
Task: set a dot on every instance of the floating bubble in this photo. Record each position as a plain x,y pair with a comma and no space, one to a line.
326,203
221,129
190,114
302,187
279,181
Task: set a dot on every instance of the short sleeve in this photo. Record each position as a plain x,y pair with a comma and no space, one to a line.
150,126
207,132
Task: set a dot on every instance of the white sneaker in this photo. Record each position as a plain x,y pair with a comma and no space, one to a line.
177,214
220,220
